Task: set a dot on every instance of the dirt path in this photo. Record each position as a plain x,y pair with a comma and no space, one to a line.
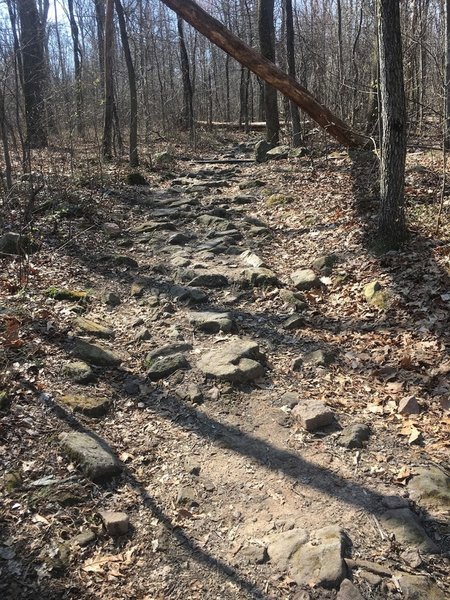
267,431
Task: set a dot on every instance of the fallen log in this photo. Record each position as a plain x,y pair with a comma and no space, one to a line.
257,126
217,33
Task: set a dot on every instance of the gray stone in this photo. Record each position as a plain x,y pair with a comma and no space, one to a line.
165,366
252,260
254,553
261,149
305,279
187,495
325,263
95,354
116,523
93,328
192,393
261,277
168,350
111,299
86,405
430,487
14,244
163,160
406,527
408,406
241,199
289,399
294,322
296,299
278,152
236,361
188,294
93,455
143,335
395,502
83,539
354,436
211,322
215,223
209,280
151,226
349,591
79,372
282,546
179,239
419,587
312,415
317,358
298,152
320,562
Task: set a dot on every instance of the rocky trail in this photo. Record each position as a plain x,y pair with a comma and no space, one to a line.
213,389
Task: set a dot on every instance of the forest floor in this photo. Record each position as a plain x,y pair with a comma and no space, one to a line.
327,455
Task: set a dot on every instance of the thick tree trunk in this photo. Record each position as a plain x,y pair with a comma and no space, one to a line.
392,222
34,73
108,75
266,31
290,55
77,67
219,35
133,152
187,115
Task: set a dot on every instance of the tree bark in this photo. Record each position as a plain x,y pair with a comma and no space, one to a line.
187,115
34,73
266,32
133,151
392,222
219,35
77,66
108,75
447,73
290,55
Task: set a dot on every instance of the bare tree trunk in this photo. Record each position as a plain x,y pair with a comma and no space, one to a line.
77,66
392,222
447,73
108,75
34,73
267,48
4,137
219,35
133,151
290,55
187,116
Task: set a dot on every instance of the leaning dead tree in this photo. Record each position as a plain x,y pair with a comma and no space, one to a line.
223,38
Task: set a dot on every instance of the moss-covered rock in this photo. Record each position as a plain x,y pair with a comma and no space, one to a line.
58,293
12,481
376,295
93,328
86,405
279,200
78,372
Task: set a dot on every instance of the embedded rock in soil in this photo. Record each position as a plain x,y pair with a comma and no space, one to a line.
409,406
305,279
86,405
354,436
325,264
312,415
318,358
261,277
406,527
261,149
294,322
211,322
282,546
278,152
111,299
119,260
430,487
116,523
419,587
252,260
178,239
253,553
93,328
16,245
79,372
296,299
64,294
165,366
150,226
349,591
209,280
83,539
192,393
236,361
320,562
95,354
94,456
215,223
187,294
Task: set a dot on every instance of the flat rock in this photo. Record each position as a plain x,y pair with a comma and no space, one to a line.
261,277
325,263
168,350
95,354
79,372
320,561
251,259
211,322
408,406
430,487
188,294
93,328
116,523
419,587
253,553
406,527
178,239
165,366
94,456
282,546
278,152
354,436
149,226
295,299
312,415
294,322
209,280
317,358
305,279
348,591
216,223
86,405
235,361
